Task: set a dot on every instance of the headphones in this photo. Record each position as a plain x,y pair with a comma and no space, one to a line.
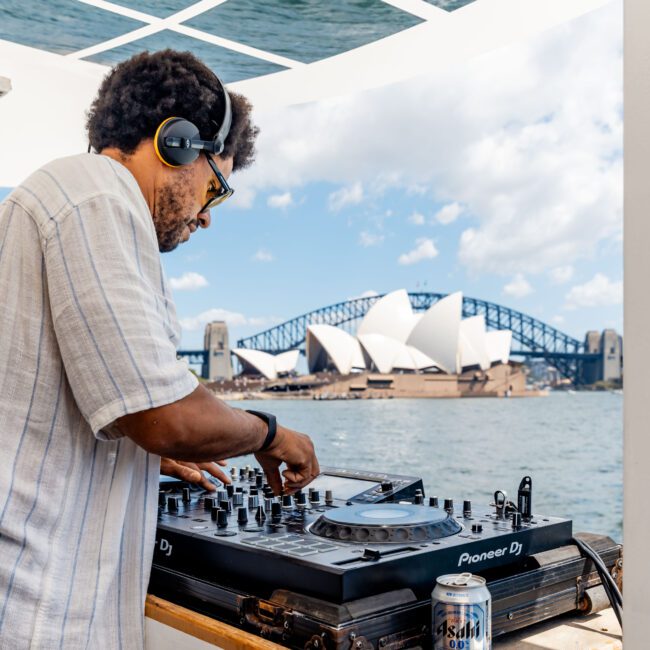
178,142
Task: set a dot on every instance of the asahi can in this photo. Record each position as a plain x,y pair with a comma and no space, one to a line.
461,613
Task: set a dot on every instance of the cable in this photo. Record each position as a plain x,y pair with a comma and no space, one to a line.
611,588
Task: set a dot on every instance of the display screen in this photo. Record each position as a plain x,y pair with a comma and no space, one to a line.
342,488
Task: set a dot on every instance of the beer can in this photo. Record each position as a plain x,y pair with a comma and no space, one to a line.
461,613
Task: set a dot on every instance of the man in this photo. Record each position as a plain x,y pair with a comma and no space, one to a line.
92,392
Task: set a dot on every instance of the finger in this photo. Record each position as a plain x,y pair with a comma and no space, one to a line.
182,472
223,463
272,474
214,470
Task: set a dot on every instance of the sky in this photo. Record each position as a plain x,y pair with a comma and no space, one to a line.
501,178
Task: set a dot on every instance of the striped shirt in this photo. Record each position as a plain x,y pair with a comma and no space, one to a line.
88,333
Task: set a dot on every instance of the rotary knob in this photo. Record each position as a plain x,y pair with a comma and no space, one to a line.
301,500
329,498
224,505
433,502
449,506
253,501
230,489
387,486
287,502
314,497
210,502
173,502
242,516
237,500
467,509
276,512
186,495
222,518
260,515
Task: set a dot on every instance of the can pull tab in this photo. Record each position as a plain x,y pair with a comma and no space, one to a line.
462,579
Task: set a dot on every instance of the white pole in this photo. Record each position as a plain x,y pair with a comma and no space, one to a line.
637,321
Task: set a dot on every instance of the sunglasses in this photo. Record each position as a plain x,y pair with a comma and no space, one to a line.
220,194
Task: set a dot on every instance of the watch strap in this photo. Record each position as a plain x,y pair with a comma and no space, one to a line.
272,425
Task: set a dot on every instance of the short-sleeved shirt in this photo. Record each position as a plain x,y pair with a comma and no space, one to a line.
88,333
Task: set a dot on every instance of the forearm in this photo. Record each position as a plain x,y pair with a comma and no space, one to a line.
199,427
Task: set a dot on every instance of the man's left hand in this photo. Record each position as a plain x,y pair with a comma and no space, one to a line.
192,472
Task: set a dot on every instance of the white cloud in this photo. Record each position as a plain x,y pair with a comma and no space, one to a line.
189,281
425,249
232,319
263,255
280,200
417,219
351,195
561,274
600,291
518,287
448,213
367,239
527,139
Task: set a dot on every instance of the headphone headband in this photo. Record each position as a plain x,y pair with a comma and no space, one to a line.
178,142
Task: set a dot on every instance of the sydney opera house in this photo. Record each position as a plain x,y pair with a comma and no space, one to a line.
391,338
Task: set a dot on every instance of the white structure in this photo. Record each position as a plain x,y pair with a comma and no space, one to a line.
328,345
391,337
268,365
437,332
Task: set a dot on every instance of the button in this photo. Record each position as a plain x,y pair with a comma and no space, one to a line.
387,486
477,528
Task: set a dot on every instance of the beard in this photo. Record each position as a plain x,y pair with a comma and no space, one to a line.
174,206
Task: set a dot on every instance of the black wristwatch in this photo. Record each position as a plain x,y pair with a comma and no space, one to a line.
272,424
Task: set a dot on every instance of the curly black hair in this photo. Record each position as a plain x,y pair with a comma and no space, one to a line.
139,93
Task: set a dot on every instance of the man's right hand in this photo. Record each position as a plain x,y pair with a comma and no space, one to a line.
294,449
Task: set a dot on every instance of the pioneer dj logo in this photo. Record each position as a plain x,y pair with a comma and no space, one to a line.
514,549
164,546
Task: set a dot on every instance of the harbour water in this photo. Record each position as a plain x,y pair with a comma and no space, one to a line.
570,444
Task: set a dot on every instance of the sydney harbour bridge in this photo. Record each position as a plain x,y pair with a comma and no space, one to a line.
531,337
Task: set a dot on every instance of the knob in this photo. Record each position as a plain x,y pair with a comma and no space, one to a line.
419,499
287,502
237,500
301,499
251,475
253,501
387,486
477,528
267,504
233,472
222,495
253,490
162,497
186,495
276,512
210,502
449,505
214,512
173,501
239,489
329,498
224,505
222,518
242,516
516,520
314,497
259,480
242,473
467,508
260,515
230,489
433,502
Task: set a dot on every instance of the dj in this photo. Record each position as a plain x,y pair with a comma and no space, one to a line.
92,392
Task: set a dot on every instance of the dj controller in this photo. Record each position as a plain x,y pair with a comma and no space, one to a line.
357,555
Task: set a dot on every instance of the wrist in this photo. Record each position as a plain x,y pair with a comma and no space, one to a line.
271,428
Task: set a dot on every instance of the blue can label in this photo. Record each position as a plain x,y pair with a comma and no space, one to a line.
460,627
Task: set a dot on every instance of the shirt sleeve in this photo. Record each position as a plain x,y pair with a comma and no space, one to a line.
110,314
